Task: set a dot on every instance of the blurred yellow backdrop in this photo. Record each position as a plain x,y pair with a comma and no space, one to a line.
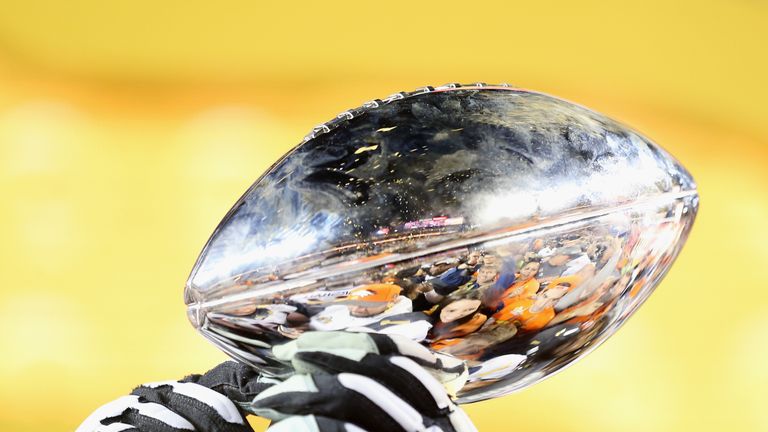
127,129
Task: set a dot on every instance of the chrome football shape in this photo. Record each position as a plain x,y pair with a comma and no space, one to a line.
501,226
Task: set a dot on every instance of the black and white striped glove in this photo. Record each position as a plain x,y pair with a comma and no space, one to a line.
343,382
363,382
197,403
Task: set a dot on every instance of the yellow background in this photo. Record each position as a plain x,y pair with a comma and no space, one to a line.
128,128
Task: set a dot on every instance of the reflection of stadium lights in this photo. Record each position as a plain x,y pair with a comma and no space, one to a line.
608,184
291,244
437,221
513,205
240,249
454,221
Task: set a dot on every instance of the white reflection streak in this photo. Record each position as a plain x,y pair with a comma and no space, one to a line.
624,181
510,205
291,244
238,254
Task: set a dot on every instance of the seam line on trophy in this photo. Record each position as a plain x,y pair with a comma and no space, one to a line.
298,281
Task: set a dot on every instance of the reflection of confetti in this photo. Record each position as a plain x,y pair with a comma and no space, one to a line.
369,148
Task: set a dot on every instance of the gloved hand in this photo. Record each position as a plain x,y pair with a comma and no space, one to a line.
196,403
363,381
343,382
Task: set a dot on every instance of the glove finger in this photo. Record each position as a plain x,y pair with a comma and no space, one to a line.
402,376
357,345
393,344
450,371
342,343
312,423
206,409
444,408
346,397
237,381
129,413
354,344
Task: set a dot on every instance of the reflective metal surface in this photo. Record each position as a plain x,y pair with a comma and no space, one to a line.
508,228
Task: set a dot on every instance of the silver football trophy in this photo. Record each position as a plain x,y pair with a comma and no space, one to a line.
503,227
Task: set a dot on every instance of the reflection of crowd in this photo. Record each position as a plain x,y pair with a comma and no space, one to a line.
466,303
543,297
491,298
